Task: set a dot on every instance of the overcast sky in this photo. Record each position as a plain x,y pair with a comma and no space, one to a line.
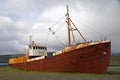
21,18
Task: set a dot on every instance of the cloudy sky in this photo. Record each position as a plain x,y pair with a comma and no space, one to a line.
21,18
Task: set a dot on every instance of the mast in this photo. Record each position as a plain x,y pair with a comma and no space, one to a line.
71,29
68,23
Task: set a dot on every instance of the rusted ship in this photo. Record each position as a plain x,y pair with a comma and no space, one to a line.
85,57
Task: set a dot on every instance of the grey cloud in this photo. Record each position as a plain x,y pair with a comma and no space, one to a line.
11,34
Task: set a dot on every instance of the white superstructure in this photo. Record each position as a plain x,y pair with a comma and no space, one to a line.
36,50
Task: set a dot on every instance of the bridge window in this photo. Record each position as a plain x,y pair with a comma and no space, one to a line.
33,47
36,47
45,48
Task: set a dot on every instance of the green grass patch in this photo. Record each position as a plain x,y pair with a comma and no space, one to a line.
8,73
115,61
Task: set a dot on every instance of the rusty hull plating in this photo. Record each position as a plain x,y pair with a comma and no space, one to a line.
93,58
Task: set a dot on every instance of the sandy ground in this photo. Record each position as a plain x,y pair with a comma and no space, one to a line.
7,73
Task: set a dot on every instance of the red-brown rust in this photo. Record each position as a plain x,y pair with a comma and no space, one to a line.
91,59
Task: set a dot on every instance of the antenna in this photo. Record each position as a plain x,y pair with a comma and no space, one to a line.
30,40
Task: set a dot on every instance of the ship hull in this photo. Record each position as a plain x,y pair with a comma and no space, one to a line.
90,59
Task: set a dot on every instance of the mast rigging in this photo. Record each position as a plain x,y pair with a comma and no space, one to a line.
71,29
